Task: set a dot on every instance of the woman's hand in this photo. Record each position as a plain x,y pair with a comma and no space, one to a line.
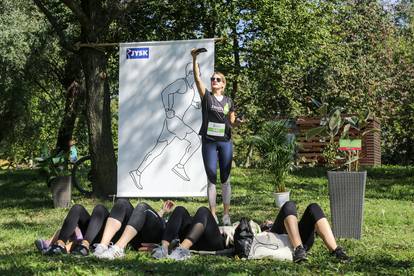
194,53
168,206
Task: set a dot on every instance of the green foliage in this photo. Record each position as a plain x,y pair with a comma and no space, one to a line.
276,151
333,124
275,54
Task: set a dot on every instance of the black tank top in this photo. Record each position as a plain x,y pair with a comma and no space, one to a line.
216,117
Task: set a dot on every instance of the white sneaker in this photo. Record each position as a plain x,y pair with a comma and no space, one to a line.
180,254
226,220
99,249
113,252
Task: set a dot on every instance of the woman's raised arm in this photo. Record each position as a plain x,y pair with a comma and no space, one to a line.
196,70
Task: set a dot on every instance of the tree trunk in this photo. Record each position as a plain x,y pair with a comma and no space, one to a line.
236,54
98,112
73,99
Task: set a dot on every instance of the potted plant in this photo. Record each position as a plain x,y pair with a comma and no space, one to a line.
56,169
346,188
277,151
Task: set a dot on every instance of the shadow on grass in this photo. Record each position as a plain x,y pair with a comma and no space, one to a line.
390,172
23,189
22,264
19,225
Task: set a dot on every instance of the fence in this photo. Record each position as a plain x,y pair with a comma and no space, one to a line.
312,149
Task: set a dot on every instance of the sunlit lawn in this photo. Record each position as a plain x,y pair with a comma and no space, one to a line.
387,245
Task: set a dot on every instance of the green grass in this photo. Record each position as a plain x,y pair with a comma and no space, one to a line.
387,245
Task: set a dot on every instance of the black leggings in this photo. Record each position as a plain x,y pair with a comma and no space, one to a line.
121,211
202,230
149,225
312,214
91,226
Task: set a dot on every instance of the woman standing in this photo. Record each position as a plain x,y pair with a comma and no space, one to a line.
218,119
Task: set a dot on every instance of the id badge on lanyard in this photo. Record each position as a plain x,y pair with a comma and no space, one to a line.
216,129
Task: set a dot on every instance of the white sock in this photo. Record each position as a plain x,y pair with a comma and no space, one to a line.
226,192
212,194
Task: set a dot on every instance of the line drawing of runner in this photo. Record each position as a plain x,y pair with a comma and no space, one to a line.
177,98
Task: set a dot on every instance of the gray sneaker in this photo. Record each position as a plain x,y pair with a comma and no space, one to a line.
160,252
180,254
226,220
113,252
99,249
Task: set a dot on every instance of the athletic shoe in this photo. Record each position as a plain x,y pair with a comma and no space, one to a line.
113,252
299,255
80,250
99,249
42,245
226,220
180,171
56,249
340,255
180,254
160,252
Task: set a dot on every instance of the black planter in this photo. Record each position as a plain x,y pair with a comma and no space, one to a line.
346,195
61,191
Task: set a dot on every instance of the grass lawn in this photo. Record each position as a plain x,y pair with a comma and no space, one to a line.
387,245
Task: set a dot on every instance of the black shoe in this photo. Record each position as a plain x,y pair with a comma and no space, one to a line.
80,250
299,255
56,249
340,255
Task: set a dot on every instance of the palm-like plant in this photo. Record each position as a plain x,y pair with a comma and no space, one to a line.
276,150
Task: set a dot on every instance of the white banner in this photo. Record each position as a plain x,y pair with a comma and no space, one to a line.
159,149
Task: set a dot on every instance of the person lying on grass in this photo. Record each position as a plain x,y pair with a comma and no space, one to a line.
142,220
80,230
202,232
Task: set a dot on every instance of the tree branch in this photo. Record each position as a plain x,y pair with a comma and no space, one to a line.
83,19
55,25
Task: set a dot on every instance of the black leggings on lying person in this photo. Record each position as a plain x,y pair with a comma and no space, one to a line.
312,214
202,230
91,226
149,225
145,220
121,212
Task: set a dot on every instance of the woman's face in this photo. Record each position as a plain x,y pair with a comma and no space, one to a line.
217,82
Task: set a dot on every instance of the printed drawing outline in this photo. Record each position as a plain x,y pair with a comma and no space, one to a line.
173,127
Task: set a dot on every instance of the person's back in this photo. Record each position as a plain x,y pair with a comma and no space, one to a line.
73,152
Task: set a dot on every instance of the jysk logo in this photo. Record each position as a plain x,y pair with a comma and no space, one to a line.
137,53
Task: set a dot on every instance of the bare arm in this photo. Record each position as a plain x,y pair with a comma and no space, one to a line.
196,70
167,207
